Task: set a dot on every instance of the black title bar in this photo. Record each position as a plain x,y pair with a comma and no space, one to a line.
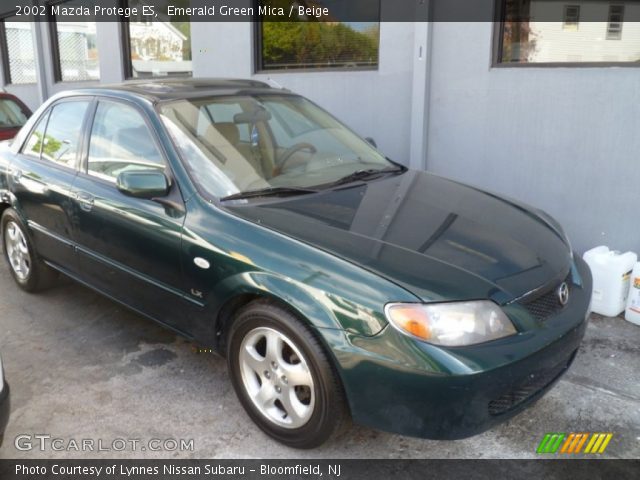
312,10
310,469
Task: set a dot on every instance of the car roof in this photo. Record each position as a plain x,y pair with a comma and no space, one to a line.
182,88
8,95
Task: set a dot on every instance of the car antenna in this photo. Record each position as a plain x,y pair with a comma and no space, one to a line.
276,84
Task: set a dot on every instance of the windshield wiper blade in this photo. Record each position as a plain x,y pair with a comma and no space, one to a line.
366,175
271,191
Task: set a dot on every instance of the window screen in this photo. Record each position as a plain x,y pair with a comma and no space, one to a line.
18,48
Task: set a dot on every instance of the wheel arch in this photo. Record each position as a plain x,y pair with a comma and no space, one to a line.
287,294
324,335
263,286
5,197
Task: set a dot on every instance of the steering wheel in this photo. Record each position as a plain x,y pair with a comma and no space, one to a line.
288,153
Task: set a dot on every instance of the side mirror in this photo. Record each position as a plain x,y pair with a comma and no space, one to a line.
372,142
143,183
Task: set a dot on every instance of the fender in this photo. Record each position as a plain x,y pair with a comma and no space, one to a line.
321,310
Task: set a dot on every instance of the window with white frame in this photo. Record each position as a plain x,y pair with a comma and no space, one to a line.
571,17
614,26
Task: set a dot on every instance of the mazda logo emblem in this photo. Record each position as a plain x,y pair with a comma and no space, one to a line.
563,293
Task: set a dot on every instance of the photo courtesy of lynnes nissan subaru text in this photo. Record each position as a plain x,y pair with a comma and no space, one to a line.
338,284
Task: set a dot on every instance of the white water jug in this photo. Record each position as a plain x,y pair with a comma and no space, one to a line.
611,272
633,302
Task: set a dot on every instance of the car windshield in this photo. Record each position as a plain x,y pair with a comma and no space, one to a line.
273,143
11,114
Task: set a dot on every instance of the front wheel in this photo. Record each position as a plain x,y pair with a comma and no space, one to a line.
28,270
283,377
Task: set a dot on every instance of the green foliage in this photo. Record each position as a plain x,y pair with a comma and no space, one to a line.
50,148
299,44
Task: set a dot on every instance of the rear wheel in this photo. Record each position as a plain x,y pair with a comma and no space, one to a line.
283,377
28,270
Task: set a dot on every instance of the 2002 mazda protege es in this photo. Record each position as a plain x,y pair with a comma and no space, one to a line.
337,283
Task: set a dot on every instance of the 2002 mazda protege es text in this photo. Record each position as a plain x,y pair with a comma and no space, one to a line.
338,283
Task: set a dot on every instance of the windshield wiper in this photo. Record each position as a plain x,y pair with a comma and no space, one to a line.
368,174
270,191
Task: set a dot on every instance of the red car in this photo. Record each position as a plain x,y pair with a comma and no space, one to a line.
13,115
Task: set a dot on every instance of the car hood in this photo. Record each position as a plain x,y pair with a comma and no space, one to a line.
437,238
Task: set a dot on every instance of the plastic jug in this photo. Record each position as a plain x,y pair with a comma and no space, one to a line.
611,272
633,302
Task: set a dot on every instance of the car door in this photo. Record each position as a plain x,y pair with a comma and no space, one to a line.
129,248
41,177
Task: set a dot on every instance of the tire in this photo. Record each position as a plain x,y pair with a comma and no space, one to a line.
299,400
27,268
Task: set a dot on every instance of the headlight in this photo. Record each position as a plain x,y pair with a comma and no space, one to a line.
451,324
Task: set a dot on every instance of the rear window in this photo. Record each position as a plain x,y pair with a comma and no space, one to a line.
11,114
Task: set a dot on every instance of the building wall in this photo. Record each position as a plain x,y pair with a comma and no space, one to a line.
562,139
27,93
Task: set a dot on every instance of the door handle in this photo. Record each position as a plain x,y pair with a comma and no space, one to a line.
16,174
86,201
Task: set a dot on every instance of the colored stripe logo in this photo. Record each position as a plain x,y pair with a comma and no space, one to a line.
573,443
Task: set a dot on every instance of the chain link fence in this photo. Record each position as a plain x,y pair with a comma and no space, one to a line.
21,52
78,54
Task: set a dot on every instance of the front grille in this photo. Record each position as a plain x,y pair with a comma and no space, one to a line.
534,384
547,304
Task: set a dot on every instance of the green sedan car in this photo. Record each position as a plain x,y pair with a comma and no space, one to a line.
338,284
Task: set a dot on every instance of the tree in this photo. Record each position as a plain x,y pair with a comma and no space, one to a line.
311,43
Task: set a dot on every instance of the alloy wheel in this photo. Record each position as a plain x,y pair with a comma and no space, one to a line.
277,377
17,250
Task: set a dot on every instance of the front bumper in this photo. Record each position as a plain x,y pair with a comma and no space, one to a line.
400,385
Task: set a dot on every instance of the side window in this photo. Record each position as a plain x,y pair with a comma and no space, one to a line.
11,115
121,140
33,147
62,137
